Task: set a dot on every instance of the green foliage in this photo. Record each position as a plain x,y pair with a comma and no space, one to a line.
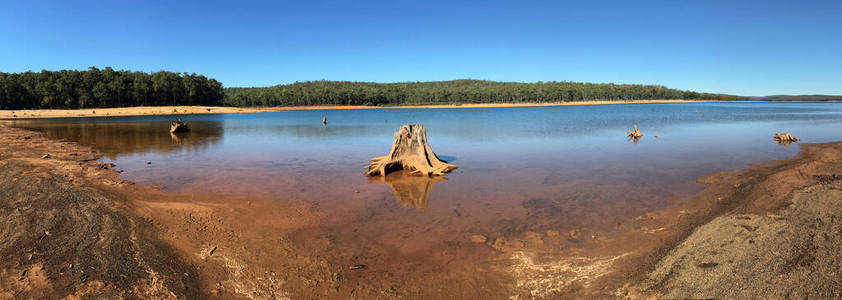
110,88
105,88
450,92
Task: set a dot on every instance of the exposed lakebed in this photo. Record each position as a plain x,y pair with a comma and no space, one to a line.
520,169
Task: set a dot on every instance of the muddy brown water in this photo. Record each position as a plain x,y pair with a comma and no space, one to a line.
520,169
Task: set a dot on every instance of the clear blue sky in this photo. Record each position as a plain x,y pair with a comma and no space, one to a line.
740,47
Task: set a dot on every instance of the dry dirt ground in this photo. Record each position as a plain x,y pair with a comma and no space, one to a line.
63,238
779,236
69,227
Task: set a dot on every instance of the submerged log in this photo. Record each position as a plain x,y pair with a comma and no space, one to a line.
785,138
179,126
410,152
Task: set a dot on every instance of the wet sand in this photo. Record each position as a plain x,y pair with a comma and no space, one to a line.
130,240
187,110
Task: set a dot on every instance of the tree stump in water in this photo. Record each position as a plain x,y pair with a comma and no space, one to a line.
179,126
410,152
636,133
785,139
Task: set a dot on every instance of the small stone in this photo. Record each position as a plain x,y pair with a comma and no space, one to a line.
356,191
552,233
337,281
499,244
478,238
357,267
575,234
46,156
148,162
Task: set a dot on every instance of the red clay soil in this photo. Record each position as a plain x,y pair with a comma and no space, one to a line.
71,228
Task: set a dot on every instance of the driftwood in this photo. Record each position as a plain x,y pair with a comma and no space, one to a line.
785,138
179,126
410,152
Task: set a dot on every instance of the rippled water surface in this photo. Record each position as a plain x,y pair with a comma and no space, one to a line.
519,168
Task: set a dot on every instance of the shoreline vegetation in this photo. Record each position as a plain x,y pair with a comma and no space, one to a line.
772,227
195,110
95,88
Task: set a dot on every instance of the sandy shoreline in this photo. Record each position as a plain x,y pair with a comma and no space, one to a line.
200,246
188,110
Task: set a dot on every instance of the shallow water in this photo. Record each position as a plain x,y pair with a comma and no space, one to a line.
520,169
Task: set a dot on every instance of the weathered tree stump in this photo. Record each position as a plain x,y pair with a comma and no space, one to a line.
785,138
636,133
179,126
410,152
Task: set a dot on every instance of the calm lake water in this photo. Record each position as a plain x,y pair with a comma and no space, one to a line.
519,168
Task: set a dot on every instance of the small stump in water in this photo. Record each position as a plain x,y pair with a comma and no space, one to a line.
785,139
410,152
636,133
179,126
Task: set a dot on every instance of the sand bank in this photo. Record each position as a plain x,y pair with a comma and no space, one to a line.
190,110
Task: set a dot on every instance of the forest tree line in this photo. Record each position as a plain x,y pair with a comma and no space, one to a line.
109,88
105,88
450,92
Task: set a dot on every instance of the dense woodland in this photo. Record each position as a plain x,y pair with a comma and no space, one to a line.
449,92
109,88
105,88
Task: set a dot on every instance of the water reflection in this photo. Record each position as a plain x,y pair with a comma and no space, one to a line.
129,138
410,191
785,143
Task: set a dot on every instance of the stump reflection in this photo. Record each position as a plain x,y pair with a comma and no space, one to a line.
410,191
